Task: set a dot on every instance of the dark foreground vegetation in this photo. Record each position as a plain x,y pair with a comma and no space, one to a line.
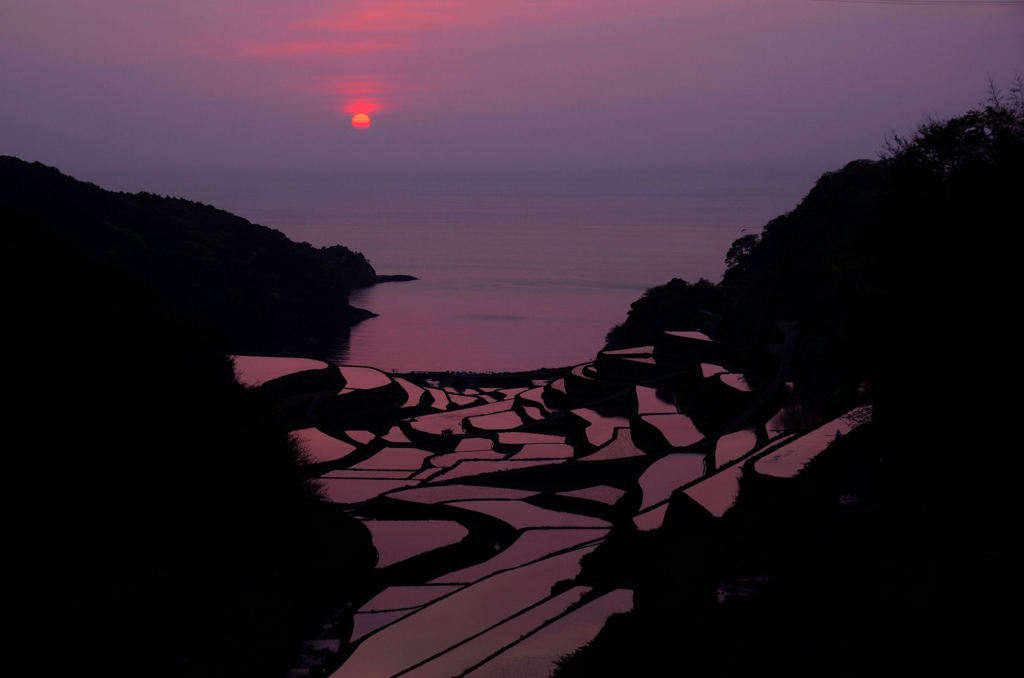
159,522
890,554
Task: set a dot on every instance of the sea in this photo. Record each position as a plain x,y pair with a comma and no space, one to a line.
516,269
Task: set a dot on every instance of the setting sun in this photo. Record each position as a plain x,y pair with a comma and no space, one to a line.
361,121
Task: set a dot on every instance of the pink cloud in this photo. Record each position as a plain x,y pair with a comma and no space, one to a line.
322,47
394,16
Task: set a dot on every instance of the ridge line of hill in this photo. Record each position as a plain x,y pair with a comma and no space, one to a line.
249,285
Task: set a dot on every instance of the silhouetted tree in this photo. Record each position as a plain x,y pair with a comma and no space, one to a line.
740,249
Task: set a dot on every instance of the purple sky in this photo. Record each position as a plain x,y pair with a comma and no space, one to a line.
128,85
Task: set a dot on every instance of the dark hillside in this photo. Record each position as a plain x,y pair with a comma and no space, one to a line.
256,289
817,266
891,268
886,554
160,522
675,305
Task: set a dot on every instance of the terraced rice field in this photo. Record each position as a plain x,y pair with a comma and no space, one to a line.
481,499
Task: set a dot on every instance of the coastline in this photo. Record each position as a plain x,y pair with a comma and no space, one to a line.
398,277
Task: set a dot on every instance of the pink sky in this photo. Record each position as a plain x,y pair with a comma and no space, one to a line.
130,84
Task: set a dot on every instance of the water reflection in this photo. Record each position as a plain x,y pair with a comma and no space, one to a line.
667,474
397,540
733,446
442,625
788,460
521,515
320,446
531,545
538,654
476,650
406,597
254,370
718,493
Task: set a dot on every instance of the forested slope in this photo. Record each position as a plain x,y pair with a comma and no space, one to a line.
250,285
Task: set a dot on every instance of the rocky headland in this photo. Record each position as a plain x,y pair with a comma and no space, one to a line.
251,287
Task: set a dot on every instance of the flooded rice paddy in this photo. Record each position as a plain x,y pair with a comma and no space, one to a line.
483,499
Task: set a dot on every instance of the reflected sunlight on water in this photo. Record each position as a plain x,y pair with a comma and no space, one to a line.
522,271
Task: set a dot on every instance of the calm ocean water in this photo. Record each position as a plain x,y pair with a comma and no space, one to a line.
516,270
